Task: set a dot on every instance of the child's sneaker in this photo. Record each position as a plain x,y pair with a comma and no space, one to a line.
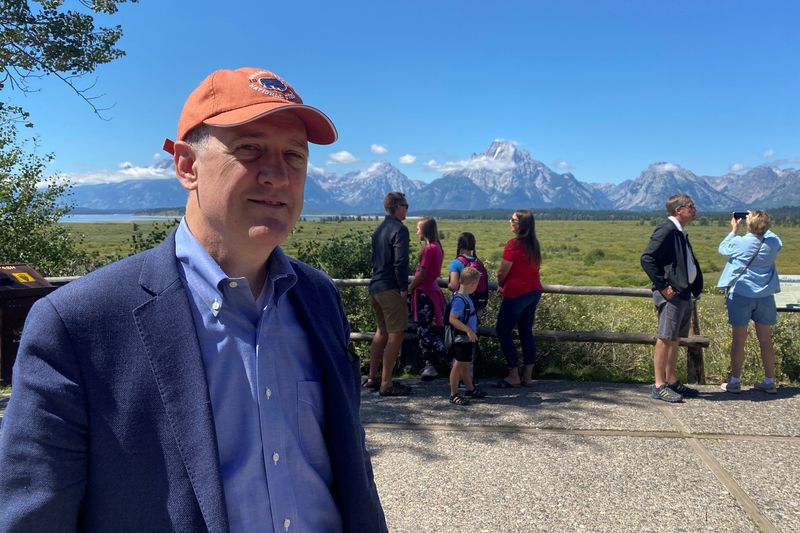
768,388
429,372
733,388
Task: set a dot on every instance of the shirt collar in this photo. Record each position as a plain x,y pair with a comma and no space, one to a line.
196,258
677,224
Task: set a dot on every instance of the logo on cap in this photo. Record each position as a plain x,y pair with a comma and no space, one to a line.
269,84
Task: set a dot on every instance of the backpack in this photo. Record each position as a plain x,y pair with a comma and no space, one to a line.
481,295
453,335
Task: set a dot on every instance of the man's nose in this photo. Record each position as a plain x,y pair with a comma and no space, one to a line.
273,170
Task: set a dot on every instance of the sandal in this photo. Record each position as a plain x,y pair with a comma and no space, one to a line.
370,383
527,383
398,389
475,393
503,384
458,400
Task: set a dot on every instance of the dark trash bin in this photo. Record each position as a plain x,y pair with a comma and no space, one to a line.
20,287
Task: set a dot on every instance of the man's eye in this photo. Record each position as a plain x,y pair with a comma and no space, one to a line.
249,148
296,158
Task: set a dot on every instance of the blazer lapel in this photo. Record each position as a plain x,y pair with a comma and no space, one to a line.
166,327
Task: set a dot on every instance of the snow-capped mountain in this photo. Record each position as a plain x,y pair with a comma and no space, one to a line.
502,176
661,180
510,177
130,195
364,190
761,186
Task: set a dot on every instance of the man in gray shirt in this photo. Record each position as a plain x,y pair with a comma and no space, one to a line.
387,294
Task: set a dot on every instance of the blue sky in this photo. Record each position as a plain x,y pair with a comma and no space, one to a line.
601,89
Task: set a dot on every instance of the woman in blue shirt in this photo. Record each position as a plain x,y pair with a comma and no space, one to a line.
751,280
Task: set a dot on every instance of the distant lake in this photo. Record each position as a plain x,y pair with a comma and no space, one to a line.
128,217
112,217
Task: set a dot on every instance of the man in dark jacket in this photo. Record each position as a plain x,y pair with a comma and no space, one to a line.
193,387
671,265
387,293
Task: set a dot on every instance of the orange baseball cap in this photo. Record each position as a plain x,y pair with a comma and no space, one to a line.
236,97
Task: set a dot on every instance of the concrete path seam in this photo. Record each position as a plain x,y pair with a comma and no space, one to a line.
409,426
762,522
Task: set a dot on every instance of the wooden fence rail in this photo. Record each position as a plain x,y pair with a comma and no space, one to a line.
694,342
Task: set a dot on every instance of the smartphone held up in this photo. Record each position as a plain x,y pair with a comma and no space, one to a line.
740,215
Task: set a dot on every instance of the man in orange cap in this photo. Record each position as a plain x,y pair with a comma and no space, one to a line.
193,387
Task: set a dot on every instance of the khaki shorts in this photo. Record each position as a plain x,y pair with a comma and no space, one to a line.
390,310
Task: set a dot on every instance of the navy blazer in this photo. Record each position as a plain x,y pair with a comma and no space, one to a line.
664,261
109,427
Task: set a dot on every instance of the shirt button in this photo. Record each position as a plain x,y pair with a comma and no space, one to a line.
275,457
216,305
269,393
287,523
233,284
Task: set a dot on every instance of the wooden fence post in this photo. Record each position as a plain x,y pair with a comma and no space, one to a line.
695,369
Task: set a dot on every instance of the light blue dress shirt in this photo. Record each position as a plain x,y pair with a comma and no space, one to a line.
266,396
760,279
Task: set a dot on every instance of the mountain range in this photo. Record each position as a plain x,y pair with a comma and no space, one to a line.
502,176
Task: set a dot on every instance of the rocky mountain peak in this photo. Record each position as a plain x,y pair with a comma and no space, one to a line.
500,150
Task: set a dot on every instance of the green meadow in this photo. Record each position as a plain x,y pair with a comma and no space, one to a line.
574,252
586,253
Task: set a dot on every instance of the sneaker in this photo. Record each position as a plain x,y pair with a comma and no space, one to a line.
429,373
734,388
769,389
683,390
666,394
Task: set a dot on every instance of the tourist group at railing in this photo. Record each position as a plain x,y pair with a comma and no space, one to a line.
749,279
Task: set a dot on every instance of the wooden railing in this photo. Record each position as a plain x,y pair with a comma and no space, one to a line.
694,342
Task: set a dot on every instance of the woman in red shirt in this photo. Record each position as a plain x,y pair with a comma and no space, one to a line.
519,285
427,299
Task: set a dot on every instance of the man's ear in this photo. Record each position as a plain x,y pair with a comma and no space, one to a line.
185,158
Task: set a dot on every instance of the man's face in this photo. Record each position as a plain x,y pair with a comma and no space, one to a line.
686,213
250,183
401,211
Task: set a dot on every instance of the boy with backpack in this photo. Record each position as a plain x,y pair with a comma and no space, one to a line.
466,256
464,322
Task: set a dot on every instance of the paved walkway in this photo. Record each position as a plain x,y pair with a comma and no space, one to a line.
570,456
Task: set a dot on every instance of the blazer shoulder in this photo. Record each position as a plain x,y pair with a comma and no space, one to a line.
118,282
306,274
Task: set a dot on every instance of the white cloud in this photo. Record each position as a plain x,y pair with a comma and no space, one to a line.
343,158
736,167
315,169
563,165
481,162
665,167
379,149
769,152
408,159
127,171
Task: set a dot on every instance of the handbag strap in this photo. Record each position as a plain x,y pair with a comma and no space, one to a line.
750,262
